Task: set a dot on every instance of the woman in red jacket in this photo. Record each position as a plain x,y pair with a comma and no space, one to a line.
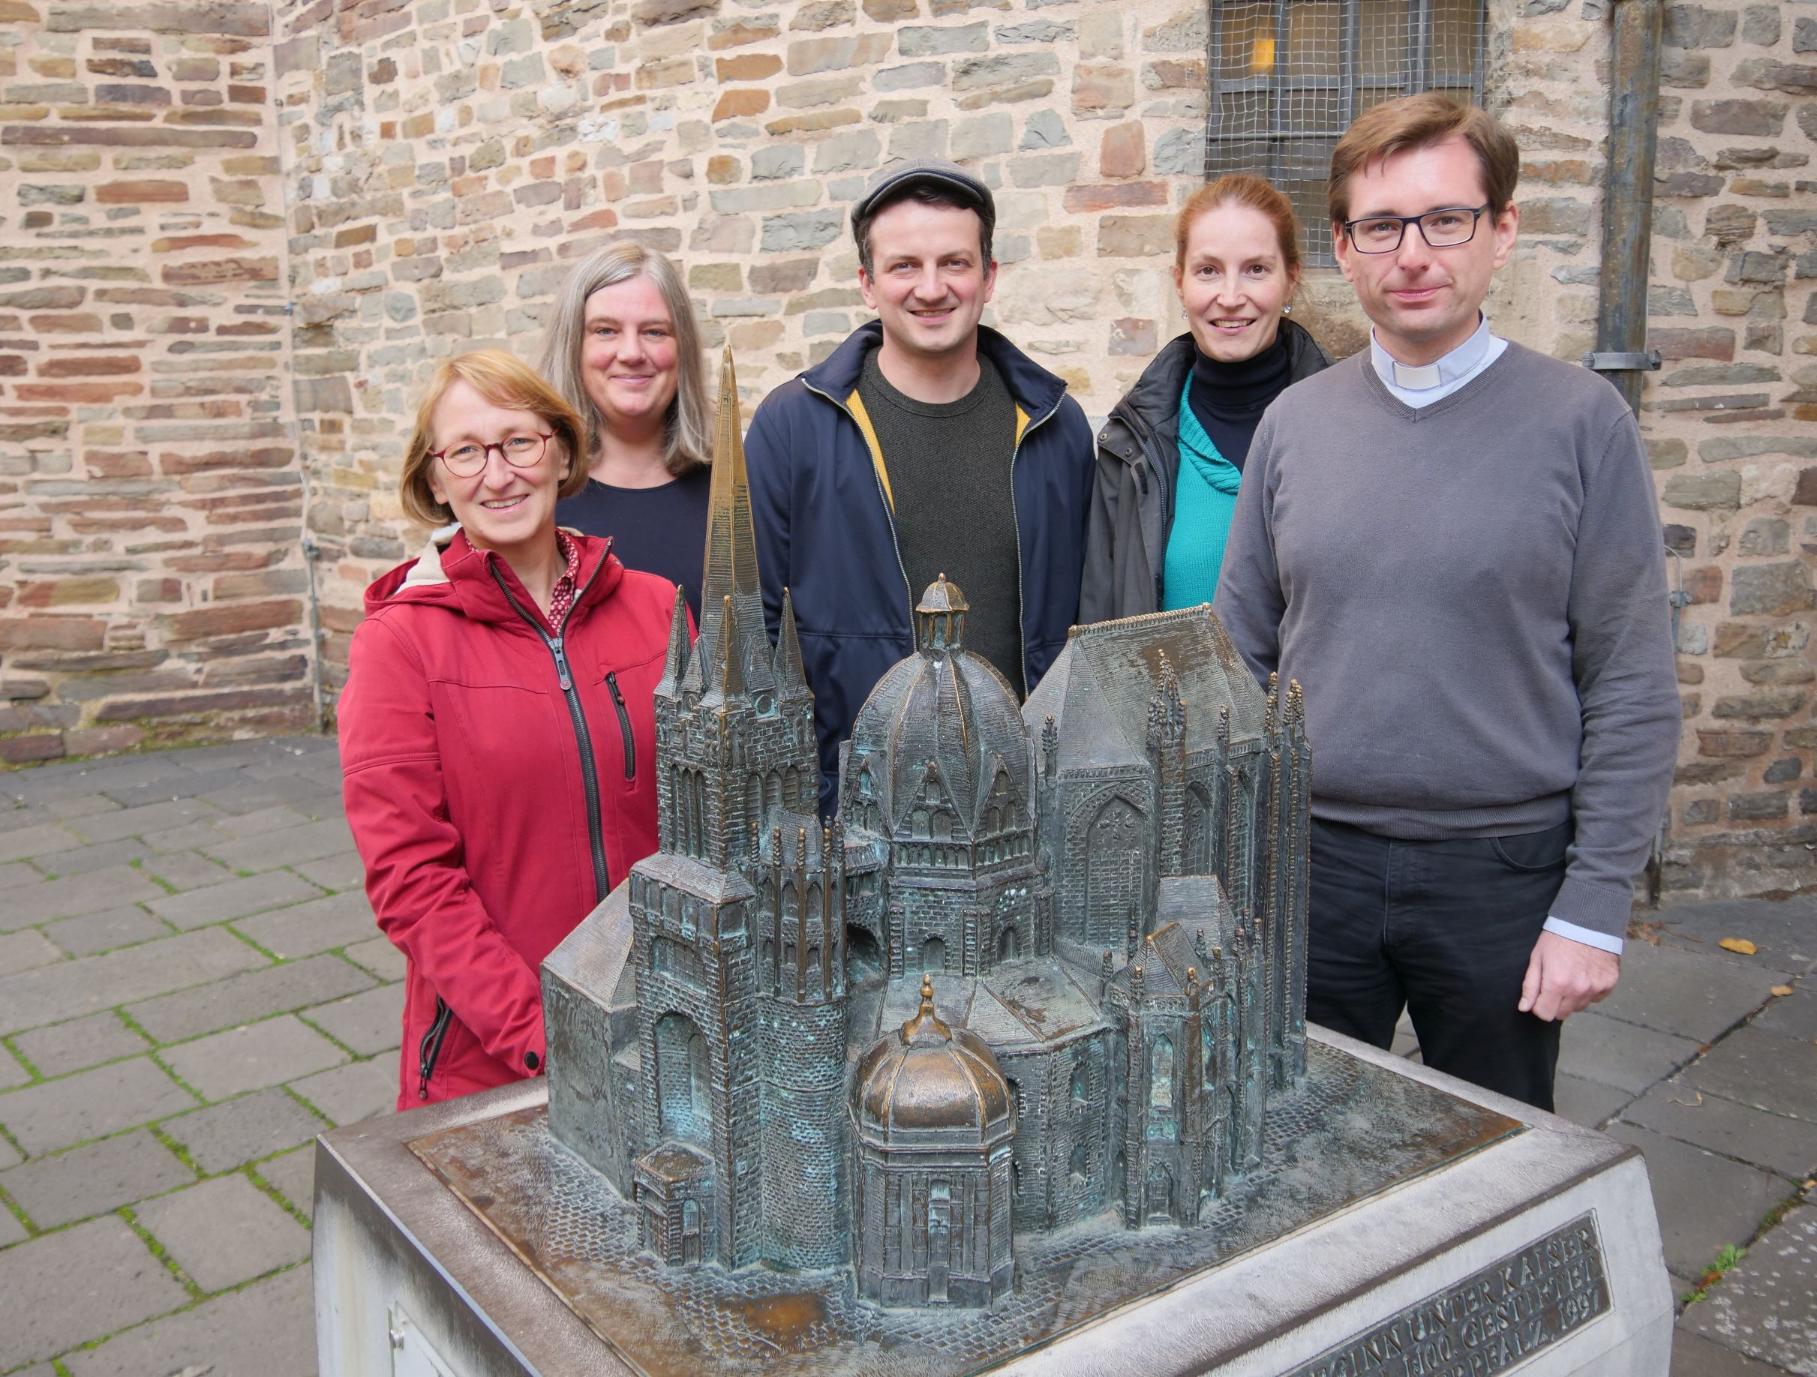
497,736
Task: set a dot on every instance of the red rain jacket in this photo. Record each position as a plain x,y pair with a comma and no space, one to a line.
465,771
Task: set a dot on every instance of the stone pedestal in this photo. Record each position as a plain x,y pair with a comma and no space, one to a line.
1526,1241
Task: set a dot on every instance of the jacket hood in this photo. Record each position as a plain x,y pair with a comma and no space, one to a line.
1034,389
450,573
1152,405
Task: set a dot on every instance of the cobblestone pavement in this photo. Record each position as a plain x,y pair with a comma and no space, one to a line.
191,988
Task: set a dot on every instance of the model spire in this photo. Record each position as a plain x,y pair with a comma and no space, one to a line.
729,570
675,662
790,680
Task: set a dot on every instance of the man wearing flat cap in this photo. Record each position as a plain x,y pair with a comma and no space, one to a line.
924,444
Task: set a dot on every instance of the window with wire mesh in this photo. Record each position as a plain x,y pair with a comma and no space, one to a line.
1288,76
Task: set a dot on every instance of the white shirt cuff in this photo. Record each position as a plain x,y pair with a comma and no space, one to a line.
1590,937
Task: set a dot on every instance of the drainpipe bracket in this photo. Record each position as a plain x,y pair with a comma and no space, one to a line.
1622,360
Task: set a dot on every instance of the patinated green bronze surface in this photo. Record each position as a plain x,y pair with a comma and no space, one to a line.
1350,1132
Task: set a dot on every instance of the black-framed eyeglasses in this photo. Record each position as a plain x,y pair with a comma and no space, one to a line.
1441,229
523,451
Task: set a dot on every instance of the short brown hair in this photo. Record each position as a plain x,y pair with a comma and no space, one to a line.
1241,189
504,380
1419,122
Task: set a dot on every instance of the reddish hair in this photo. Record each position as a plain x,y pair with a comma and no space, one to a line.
1241,189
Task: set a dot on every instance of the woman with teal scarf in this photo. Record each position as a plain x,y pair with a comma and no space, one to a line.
1170,458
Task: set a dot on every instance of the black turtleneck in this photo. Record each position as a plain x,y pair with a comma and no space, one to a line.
1229,398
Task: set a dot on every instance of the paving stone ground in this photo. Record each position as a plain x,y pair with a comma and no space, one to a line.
191,988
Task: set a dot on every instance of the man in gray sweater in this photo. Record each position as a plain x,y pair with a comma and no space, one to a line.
1452,542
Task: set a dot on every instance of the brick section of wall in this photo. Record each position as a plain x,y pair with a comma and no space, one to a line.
152,586
1729,422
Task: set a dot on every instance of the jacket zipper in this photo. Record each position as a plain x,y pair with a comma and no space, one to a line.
1015,519
589,776
889,513
429,1050
624,725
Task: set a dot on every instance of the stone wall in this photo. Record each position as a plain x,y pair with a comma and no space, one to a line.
444,162
152,583
1729,422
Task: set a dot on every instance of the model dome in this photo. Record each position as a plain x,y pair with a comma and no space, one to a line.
928,1077
938,725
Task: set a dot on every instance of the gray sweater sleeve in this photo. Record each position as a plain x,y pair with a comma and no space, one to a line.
1622,662
1249,600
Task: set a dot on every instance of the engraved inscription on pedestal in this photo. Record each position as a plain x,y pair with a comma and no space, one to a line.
1490,1320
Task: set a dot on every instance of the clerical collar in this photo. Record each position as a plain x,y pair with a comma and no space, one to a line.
1461,363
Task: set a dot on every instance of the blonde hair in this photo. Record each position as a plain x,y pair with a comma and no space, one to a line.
688,425
1420,121
504,380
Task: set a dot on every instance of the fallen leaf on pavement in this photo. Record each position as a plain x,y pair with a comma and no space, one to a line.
1780,990
1740,945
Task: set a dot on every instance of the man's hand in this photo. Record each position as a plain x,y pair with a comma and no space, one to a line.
1566,977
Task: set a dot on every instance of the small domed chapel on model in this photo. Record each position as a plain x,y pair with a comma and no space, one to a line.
1046,963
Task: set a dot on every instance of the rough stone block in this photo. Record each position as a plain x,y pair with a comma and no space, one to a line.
1762,118
1702,491
251,1058
1695,26
225,1231
60,1048
93,1179
1771,589
267,1328
223,1136
806,230
79,1284
928,41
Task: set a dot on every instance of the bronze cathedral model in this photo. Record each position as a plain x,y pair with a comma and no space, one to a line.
1046,963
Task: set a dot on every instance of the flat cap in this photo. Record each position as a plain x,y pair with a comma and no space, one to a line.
898,179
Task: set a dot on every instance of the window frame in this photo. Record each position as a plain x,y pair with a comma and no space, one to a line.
1349,82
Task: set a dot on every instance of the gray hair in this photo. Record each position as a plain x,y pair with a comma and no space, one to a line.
688,425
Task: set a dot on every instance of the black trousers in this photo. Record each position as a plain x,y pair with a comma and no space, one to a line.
1443,929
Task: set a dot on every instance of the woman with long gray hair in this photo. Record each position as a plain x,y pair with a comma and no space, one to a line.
624,350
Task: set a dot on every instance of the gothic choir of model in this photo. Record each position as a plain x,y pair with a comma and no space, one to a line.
1046,963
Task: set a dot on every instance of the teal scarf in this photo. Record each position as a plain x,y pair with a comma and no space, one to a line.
1204,500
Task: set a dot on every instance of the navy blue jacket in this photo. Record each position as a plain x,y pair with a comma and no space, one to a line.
825,531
